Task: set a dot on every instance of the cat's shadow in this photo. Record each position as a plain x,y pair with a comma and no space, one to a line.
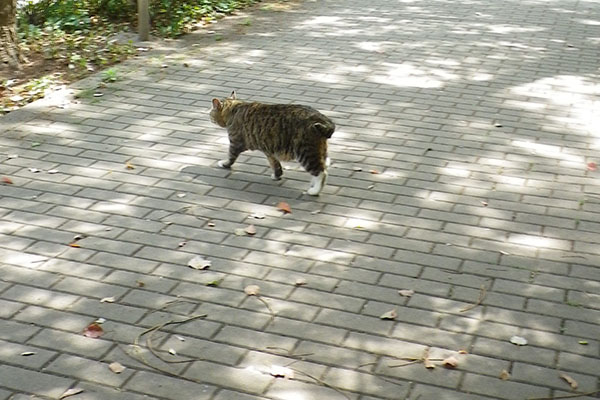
235,178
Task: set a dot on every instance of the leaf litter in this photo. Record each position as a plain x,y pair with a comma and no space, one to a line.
572,382
276,371
199,262
518,340
116,367
70,392
93,330
284,207
392,314
108,300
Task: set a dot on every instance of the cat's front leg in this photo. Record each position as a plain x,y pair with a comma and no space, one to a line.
235,149
317,183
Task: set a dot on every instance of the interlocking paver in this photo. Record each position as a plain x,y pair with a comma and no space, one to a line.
464,158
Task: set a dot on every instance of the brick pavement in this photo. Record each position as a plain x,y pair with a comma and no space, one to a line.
481,118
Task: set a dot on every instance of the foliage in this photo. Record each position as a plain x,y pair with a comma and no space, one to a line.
68,39
168,17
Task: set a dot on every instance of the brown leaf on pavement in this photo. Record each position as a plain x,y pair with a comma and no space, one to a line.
93,330
572,382
285,207
392,314
252,290
250,230
116,367
504,375
7,180
281,372
406,292
450,362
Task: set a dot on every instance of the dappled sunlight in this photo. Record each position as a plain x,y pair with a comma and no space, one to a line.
508,29
539,241
407,75
459,197
546,150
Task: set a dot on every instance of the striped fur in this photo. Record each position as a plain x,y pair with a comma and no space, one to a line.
281,131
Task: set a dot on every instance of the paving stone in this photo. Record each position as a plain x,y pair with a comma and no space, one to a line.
477,185
286,389
76,343
88,370
38,383
492,386
150,383
17,354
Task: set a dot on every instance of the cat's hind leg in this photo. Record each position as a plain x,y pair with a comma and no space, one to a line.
235,149
275,166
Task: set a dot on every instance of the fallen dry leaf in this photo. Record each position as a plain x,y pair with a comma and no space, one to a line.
93,330
116,367
258,216
250,230
28,353
199,262
463,352
518,340
70,392
129,165
73,244
374,171
592,166
172,352
281,372
252,290
450,362
392,314
504,375
7,180
300,282
406,292
428,363
285,207
572,382
107,300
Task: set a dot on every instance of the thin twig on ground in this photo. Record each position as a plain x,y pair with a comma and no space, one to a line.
482,293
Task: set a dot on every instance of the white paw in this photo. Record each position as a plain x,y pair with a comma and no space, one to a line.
224,164
316,184
275,177
327,162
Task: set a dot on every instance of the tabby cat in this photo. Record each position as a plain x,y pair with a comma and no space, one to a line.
281,131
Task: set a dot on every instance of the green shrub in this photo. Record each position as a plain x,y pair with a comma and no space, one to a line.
168,17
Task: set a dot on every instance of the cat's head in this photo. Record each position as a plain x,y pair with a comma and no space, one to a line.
219,106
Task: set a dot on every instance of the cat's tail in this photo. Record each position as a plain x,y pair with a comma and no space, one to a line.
325,127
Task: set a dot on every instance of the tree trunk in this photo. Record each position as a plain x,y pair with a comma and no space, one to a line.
10,55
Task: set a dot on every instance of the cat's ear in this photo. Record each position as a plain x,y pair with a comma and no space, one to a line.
233,96
216,103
